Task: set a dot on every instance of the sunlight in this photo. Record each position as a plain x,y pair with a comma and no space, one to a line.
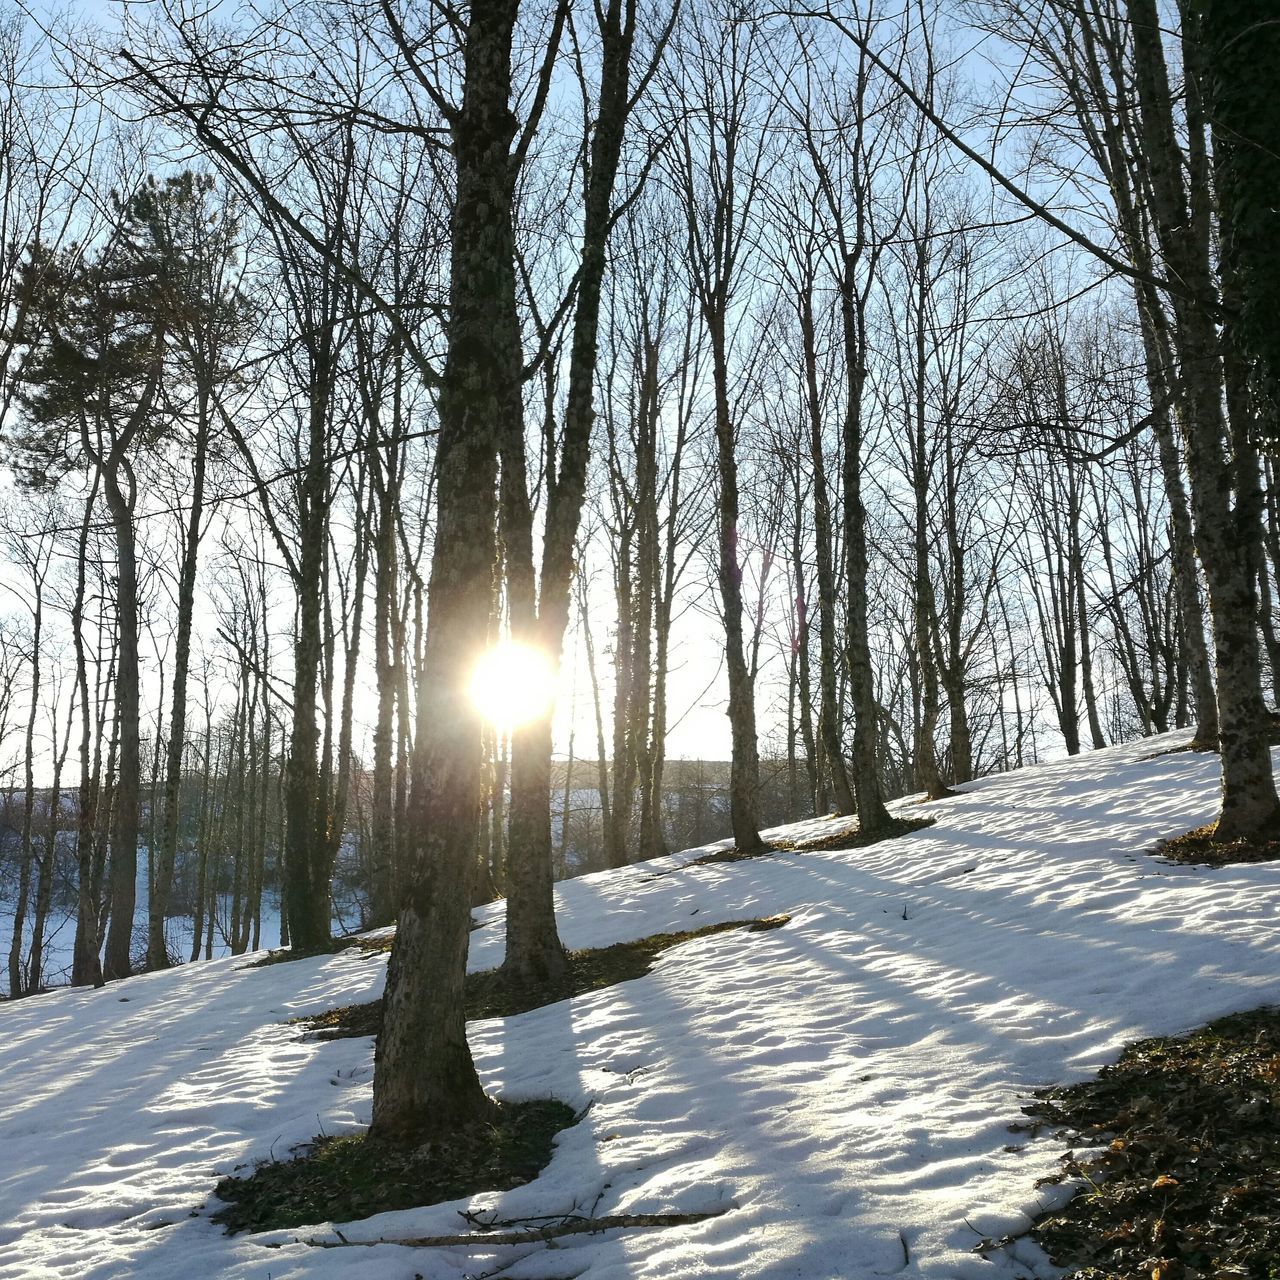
513,684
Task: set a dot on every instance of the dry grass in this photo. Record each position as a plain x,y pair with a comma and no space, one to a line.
493,994
1182,1177
337,1179
1200,848
848,836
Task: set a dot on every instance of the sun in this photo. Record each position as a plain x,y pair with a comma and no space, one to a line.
513,684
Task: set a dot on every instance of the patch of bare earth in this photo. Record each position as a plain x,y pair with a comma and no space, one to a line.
847,836
493,994
1176,1150
1200,848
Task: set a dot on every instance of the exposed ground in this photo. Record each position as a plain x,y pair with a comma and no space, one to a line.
492,994
337,1179
1176,1150
1200,848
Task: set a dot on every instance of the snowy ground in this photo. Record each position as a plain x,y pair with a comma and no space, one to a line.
843,1084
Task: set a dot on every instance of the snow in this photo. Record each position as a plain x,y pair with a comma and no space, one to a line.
843,1085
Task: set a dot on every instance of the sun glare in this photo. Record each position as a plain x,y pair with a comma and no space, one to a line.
513,684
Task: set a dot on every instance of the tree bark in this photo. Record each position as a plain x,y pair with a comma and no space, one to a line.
828,705
425,1082
744,772
116,961
17,987
872,814
162,886
307,867
1224,537
533,950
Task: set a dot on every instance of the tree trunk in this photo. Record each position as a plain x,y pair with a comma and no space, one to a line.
533,946
1224,539
801,677
86,969
307,867
744,770
872,815
48,864
425,1082
829,705
602,757
1186,574
928,776
162,886
16,985
125,797
382,827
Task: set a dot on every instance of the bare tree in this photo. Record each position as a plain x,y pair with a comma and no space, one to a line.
721,150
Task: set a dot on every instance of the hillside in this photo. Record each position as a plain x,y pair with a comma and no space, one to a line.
842,1086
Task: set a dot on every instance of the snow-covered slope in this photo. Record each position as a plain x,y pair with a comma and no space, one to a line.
844,1083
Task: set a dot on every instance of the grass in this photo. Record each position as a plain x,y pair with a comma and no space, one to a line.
338,1179
361,942
1199,848
492,994
284,955
1183,1178
847,837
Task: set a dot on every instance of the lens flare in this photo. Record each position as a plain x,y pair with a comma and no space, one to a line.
513,684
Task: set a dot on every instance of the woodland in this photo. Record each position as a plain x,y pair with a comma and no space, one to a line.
902,379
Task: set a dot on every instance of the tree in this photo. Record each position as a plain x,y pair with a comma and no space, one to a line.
802,268
31,544
541,616
847,146
1236,38
193,235
718,166
1221,458
91,387
425,1081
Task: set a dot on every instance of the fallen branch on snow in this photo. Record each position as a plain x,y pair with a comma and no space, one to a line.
574,1227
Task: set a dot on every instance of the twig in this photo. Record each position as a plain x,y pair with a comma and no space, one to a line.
489,1239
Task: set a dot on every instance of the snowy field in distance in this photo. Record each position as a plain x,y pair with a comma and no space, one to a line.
843,1085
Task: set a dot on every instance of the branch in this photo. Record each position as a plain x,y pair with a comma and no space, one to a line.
1024,198
568,1227
261,188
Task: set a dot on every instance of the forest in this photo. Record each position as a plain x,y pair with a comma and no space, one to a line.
802,406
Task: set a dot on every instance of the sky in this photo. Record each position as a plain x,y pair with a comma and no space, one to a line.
697,694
